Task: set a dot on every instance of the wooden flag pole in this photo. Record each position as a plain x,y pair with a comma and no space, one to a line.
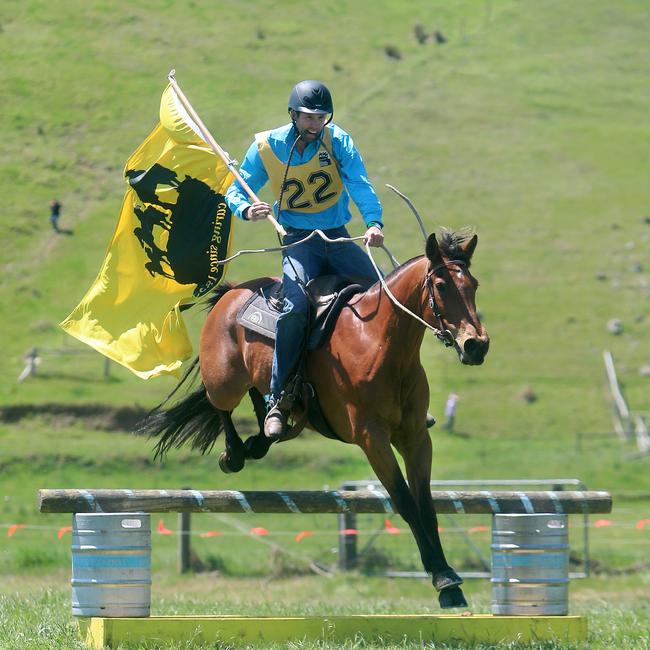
207,136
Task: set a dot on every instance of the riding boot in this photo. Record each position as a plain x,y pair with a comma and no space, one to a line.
275,422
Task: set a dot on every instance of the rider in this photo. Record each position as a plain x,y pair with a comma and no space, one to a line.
313,166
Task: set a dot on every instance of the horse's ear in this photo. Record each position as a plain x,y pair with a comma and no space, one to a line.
433,250
469,247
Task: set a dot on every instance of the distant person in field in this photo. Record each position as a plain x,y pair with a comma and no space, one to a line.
55,213
450,411
314,168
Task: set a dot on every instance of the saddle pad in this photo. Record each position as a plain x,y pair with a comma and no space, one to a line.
329,294
259,314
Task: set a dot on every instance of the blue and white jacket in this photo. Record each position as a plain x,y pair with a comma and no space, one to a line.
349,167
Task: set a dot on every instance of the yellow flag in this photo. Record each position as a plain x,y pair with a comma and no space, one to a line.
173,226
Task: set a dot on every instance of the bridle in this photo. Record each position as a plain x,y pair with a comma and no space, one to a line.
441,332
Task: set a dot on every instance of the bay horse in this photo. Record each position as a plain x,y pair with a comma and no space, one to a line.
368,378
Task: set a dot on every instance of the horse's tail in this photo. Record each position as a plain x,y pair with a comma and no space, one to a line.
191,419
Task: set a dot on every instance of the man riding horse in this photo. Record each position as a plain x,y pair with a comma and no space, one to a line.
314,168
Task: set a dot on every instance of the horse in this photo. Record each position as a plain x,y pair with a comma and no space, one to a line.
368,378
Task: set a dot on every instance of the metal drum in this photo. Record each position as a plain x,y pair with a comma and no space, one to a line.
111,564
530,565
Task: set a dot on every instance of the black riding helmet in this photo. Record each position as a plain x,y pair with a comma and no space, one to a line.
311,96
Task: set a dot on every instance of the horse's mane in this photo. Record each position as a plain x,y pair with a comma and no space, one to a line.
399,269
451,244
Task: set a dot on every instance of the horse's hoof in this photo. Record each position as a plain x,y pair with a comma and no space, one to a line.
257,447
230,465
446,579
452,597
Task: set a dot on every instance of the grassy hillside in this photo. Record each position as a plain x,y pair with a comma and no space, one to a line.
528,123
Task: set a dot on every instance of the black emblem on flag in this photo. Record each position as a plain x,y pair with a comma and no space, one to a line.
198,225
324,159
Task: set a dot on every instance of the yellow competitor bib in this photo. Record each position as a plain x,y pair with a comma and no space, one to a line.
311,187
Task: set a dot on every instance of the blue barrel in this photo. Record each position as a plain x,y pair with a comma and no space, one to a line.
530,565
111,564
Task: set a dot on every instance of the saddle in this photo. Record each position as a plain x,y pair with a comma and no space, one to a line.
328,294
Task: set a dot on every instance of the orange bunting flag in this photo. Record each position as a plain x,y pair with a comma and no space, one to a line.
210,533
599,523
349,531
63,531
259,531
302,534
390,529
642,523
13,528
478,529
161,528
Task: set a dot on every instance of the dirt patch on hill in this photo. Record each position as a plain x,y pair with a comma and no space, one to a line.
100,417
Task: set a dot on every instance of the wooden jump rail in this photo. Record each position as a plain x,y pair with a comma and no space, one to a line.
287,502
100,632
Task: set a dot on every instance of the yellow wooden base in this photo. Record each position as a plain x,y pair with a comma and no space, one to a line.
110,632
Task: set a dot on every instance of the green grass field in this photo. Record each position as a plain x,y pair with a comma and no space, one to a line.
42,621
529,124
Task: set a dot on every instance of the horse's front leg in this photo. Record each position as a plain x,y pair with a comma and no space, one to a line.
416,451
377,448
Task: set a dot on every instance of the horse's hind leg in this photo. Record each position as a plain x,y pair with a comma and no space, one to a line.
233,458
257,446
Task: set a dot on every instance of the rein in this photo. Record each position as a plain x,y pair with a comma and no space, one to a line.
440,332
283,247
